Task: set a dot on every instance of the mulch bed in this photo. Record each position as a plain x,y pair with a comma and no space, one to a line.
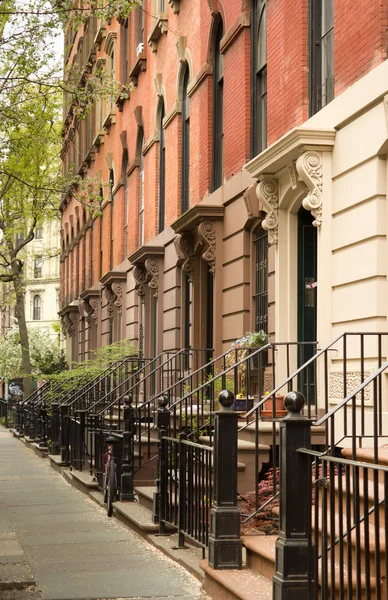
265,522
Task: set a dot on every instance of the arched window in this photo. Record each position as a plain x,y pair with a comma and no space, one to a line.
125,185
259,77
185,166
141,188
260,297
162,168
218,109
36,308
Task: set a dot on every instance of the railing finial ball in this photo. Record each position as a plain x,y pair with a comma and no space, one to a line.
127,400
162,401
226,398
294,402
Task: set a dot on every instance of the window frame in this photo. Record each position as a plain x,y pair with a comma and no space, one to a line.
258,79
218,108
260,291
36,308
38,266
185,142
316,55
162,168
141,197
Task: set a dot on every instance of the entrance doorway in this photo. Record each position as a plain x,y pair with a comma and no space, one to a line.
307,300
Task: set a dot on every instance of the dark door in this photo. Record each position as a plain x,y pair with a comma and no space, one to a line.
307,299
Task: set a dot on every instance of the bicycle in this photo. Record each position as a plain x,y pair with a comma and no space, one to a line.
110,475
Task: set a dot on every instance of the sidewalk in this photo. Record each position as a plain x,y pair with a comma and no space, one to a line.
56,544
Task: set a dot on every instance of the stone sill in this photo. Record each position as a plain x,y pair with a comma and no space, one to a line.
139,67
157,31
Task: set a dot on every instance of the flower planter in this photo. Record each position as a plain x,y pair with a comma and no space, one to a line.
267,408
242,404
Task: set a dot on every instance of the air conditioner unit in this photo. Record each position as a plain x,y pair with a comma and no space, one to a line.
139,48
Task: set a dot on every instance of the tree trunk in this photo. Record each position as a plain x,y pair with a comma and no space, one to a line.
21,317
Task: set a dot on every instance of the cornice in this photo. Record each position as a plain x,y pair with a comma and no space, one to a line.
90,293
112,276
73,307
288,148
140,256
198,213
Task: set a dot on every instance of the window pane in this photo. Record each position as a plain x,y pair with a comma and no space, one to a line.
262,42
327,92
327,16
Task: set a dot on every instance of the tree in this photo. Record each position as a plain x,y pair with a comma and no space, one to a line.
31,87
46,355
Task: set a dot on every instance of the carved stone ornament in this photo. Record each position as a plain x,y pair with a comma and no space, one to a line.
111,297
95,304
267,193
64,326
207,235
81,309
72,319
248,202
185,252
152,269
309,167
118,291
88,309
140,276
293,175
175,5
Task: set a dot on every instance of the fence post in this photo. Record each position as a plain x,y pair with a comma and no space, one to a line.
162,422
126,488
65,454
43,425
225,547
55,429
293,577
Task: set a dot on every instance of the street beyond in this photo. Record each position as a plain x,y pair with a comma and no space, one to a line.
57,544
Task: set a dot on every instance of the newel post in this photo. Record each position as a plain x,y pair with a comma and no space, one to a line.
126,488
293,579
225,547
162,422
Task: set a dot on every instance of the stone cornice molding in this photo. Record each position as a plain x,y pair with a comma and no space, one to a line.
309,167
152,268
204,72
288,148
198,213
185,252
242,21
155,137
112,276
207,236
147,251
268,195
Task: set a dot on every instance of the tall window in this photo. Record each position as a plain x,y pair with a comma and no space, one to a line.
38,267
321,65
218,110
259,77
260,297
36,308
38,233
162,169
111,186
141,190
125,185
124,54
139,29
185,174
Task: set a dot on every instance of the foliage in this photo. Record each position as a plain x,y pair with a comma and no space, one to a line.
46,355
252,339
85,371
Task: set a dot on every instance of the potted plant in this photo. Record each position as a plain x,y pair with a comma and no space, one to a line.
242,349
267,407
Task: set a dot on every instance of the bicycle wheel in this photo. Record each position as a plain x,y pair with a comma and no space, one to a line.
111,487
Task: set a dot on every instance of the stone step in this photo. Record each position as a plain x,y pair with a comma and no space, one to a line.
248,433
261,554
146,496
235,584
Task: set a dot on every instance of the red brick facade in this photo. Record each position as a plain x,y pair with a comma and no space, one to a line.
360,40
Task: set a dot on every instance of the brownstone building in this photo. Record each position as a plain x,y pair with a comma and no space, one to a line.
246,163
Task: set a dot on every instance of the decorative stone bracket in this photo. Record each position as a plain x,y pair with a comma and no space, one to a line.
152,268
267,193
207,235
185,252
114,294
69,322
140,276
309,167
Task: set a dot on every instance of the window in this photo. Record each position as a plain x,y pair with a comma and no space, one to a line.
111,186
185,166
38,233
19,238
259,77
124,54
260,297
125,185
162,168
36,316
141,189
139,29
218,110
38,267
321,64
